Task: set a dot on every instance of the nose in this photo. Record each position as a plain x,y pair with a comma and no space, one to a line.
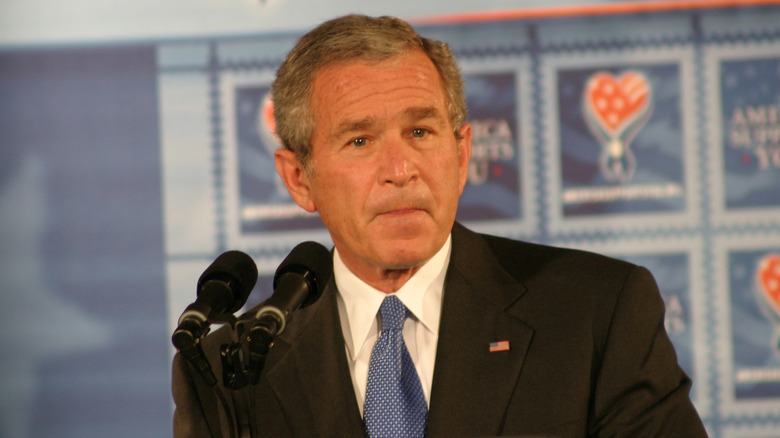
397,162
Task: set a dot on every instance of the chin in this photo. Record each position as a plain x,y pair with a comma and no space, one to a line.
406,255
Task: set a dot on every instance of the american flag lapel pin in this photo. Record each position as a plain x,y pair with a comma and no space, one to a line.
499,346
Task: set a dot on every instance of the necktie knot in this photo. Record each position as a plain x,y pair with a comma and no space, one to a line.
393,313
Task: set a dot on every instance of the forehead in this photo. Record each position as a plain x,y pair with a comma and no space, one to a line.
367,89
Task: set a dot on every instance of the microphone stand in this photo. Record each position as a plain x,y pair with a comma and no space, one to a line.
243,361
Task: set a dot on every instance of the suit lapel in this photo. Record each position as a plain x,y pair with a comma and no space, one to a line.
311,377
471,385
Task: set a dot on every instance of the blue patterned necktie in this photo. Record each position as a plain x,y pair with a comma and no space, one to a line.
395,403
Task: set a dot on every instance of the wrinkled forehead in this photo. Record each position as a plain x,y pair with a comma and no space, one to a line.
415,60
406,86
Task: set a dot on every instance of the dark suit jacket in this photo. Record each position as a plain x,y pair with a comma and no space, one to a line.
588,356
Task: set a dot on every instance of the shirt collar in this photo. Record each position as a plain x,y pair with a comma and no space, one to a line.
421,294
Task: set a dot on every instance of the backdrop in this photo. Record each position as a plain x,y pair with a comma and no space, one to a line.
135,147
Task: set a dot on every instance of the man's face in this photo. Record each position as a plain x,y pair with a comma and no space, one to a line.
386,169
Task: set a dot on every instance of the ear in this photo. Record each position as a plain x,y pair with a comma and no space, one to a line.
464,154
295,178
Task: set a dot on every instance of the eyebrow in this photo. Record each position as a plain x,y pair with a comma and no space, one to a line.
410,114
354,125
421,113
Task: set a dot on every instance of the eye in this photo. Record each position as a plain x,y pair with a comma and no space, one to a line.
419,132
359,142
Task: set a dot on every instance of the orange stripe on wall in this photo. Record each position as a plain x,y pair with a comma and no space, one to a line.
594,9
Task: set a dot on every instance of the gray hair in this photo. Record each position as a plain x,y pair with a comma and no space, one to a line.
344,39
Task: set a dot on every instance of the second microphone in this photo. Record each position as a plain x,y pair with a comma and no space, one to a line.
298,282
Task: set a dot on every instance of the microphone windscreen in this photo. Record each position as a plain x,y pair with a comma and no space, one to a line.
235,268
313,261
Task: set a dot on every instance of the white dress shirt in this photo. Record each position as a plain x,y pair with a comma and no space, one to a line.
359,303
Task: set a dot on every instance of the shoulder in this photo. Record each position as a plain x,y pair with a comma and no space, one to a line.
528,262
558,286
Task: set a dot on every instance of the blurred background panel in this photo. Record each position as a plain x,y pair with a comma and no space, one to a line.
136,146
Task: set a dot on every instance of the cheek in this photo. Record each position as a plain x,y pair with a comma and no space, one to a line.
335,195
451,176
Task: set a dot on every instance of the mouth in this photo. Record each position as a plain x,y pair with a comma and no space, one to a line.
404,217
402,211
405,208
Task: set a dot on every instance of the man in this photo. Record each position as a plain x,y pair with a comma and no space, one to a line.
505,337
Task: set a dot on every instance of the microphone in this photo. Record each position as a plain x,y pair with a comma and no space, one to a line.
298,282
222,288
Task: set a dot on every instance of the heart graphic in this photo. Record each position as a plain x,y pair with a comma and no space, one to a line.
769,280
617,102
